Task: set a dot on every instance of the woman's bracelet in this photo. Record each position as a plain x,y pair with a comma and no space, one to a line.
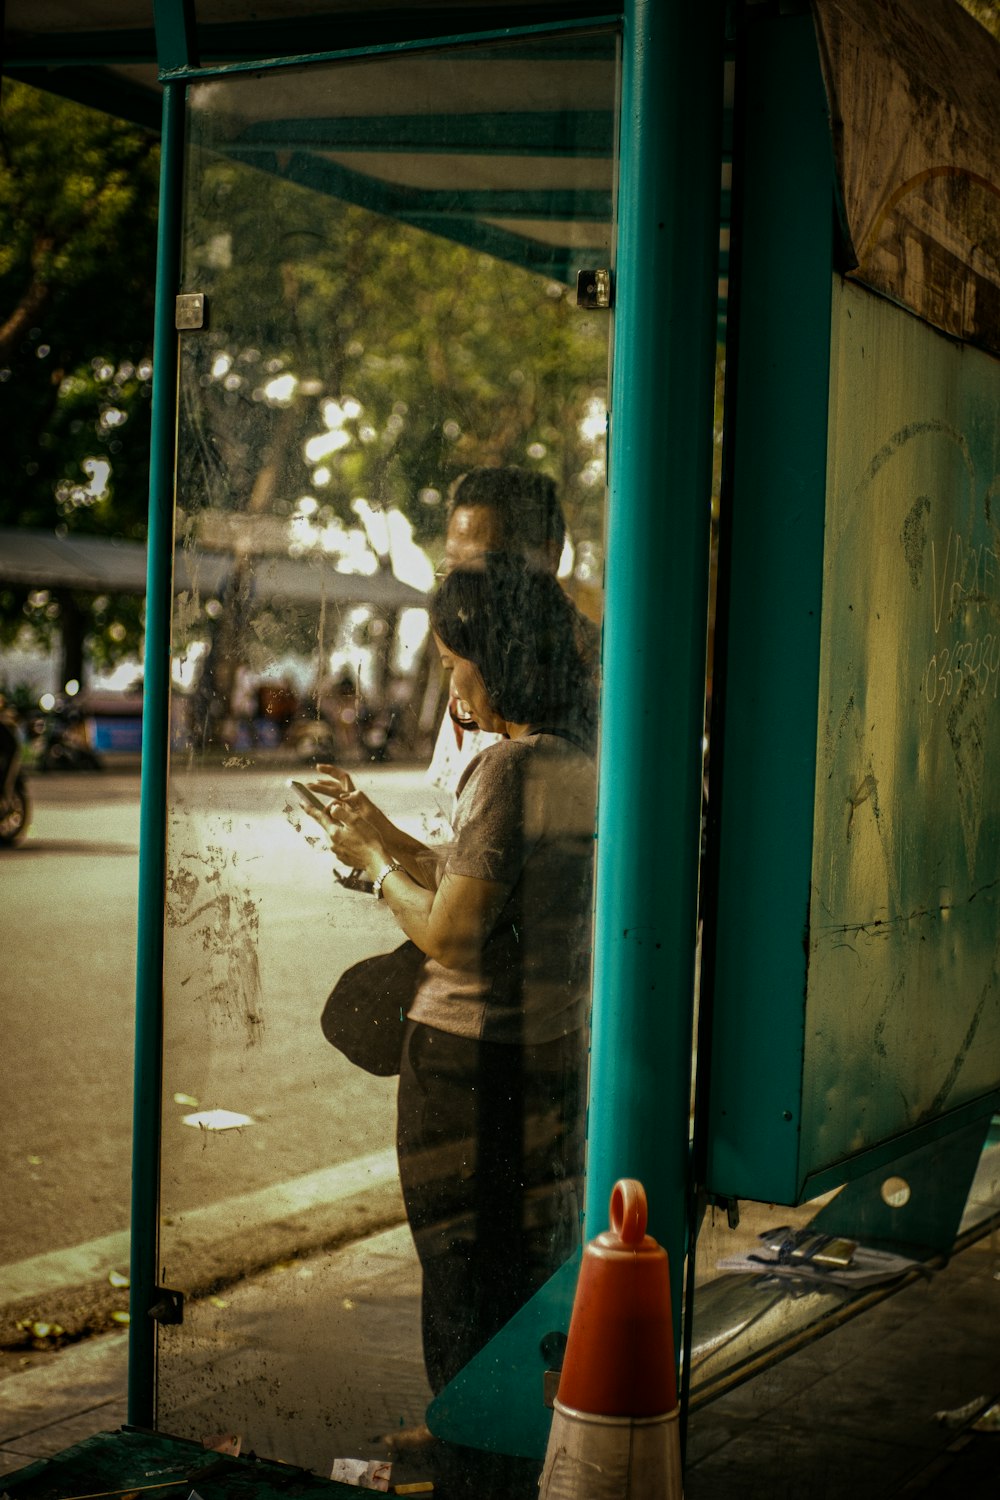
382,877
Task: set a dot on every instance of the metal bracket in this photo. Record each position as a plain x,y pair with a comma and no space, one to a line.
168,1307
594,289
190,311
731,1205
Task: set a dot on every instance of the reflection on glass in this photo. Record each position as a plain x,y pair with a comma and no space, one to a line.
390,457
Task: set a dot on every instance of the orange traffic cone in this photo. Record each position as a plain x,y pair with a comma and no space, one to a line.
615,1432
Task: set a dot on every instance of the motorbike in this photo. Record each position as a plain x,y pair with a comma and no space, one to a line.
15,812
58,741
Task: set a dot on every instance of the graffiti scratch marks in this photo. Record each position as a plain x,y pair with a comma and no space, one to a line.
217,923
914,538
967,734
868,789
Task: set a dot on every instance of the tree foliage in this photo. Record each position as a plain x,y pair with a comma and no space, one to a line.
425,357
78,196
410,357
987,13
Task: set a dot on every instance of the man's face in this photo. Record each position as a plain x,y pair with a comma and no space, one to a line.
475,530
472,531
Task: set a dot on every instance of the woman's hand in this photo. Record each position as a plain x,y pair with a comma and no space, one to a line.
395,846
346,822
337,785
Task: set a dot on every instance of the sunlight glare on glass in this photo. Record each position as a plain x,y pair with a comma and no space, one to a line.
594,422
100,472
281,390
410,563
325,443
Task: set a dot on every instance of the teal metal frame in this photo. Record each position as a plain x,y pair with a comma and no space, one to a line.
767,659
388,48
660,481
148,1066
657,574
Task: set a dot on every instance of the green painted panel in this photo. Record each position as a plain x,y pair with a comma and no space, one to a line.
767,630
854,1003
903,1007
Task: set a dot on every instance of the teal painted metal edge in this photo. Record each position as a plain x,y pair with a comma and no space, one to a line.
175,34
887,1152
768,669
521,132
155,741
429,206
656,605
390,49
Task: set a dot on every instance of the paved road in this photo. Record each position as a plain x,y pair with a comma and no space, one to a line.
249,897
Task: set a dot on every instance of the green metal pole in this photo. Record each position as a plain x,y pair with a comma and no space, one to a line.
656,612
155,738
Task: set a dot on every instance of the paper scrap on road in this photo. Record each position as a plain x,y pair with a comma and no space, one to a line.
989,1421
229,1443
187,1099
367,1474
960,1415
217,1119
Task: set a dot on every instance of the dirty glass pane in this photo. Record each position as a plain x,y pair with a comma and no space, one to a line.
387,252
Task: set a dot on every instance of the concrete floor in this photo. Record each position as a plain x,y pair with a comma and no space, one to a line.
853,1414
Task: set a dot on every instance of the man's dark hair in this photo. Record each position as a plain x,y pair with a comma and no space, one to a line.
526,505
518,627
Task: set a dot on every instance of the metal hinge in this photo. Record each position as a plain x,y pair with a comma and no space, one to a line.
190,311
168,1307
593,288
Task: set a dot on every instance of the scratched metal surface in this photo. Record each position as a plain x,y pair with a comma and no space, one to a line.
903,1002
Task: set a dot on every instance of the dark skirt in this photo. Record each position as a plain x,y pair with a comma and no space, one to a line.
490,1139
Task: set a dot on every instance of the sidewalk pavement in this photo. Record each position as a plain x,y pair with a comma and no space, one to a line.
855,1411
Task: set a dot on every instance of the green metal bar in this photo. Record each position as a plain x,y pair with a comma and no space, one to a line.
367,192
236,42
241,41
395,48
585,132
427,204
155,735
176,45
656,612
766,676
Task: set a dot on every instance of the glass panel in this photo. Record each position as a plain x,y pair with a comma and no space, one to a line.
388,252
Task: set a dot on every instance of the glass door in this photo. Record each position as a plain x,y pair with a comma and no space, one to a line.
390,458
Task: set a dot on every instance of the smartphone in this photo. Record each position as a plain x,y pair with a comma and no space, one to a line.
307,794
351,879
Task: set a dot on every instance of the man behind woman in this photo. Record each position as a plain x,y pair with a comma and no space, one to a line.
492,1089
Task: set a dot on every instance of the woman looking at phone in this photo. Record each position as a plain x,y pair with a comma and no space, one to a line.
492,1083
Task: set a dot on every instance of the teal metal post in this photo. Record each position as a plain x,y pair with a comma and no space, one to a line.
656,612
155,736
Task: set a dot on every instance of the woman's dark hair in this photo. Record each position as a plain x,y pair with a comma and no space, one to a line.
523,634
